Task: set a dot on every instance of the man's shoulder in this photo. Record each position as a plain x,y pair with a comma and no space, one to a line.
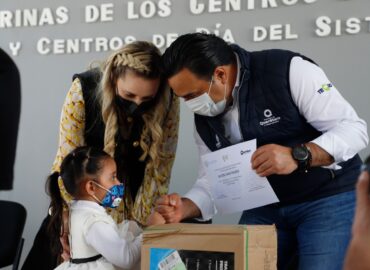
272,60
275,53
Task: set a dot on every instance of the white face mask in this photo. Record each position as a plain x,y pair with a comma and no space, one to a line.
204,104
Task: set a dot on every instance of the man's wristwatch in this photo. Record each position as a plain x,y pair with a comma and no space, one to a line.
302,154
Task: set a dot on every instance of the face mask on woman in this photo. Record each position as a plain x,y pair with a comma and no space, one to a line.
131,108
204,104
113,197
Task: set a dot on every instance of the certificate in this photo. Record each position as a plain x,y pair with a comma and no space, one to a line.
235,186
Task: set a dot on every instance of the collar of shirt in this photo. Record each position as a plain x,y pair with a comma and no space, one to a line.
230,119
80,204
238,73
237,83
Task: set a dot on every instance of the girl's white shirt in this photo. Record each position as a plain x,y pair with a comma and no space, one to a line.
93,231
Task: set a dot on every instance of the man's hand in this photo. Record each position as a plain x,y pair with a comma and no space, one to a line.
273,159
174,208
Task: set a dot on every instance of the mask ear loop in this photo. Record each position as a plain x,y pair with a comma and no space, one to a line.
210,85
96,198
96,183
225,90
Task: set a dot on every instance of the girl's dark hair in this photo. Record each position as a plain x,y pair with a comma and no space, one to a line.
199,52
76,166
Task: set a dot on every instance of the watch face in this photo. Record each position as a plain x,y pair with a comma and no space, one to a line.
365,168
300,153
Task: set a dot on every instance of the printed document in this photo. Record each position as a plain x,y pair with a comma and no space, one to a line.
235,186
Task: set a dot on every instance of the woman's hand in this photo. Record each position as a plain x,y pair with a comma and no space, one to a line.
65,244
64,237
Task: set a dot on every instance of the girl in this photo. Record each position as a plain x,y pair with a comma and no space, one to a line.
96,242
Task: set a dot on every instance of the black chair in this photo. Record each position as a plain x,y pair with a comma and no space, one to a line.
12,220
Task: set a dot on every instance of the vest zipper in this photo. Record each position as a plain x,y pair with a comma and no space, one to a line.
332,174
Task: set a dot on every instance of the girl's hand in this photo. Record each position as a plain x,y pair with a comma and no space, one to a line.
155,219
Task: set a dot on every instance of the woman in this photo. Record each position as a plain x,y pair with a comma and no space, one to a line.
125,109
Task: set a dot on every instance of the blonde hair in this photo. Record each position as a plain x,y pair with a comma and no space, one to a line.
144,59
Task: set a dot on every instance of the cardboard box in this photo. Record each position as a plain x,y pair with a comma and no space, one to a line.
209,247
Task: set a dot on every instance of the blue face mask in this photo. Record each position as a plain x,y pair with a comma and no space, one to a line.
113,197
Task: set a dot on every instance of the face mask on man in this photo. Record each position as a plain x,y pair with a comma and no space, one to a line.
204,104
113,197
131,108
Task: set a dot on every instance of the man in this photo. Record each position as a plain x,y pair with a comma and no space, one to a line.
307,135
10,95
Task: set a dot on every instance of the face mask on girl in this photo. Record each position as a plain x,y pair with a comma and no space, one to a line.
204,104
113,197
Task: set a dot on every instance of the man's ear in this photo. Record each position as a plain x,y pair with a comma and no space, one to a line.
220,74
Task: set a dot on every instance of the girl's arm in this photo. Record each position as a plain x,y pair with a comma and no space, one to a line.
104,238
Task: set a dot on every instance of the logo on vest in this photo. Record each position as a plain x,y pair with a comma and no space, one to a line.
269,119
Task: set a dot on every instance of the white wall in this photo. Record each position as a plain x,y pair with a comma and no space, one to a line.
46,78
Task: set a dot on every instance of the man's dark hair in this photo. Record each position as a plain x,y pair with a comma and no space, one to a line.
200,53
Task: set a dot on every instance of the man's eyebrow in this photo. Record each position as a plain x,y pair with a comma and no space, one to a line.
192,94
188,95
176,94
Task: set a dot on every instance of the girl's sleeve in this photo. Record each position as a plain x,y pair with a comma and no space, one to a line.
103,236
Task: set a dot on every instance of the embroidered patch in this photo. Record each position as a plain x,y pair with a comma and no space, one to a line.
269,119
325,88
